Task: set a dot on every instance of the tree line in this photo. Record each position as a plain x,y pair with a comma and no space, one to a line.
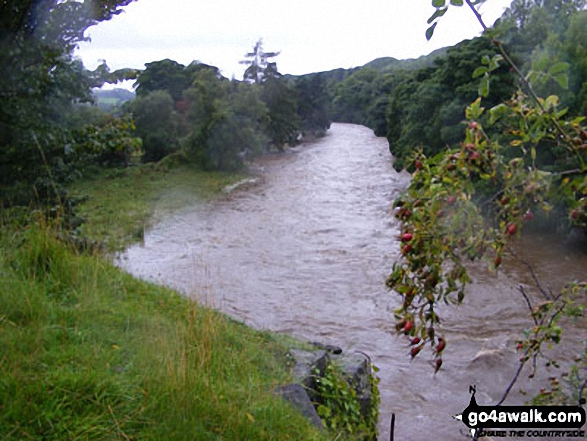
52,133
421,103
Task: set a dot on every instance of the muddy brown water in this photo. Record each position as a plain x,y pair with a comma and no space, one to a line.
306,251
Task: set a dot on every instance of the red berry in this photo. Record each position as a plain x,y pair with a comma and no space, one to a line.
415,350
407,249
520,346
511,229
497,261
415,341
438,364
441,345
528,216
409,326
418,164
474,125
407,237
575,214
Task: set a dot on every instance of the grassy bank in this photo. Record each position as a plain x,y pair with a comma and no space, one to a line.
122,203
89,352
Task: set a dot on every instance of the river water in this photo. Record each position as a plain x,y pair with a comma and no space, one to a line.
306,251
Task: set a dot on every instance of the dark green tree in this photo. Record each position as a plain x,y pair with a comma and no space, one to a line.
227,121
167,75
39,81
157,124
284,123
313,104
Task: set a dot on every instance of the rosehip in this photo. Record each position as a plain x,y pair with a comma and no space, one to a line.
474,125
407,237
441,345
418,165
511,229
409,326
528,216
497,261
415,350
407,249
415,341
437,364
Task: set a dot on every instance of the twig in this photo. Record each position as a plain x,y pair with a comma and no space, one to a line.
546,293
521,289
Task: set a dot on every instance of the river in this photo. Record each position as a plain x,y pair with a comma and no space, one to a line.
306,251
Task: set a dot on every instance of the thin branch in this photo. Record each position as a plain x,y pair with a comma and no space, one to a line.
515,379
530,307
546,293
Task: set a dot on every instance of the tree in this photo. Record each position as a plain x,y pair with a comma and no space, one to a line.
39,81
167,75
284,123
472,201
227,120
157,124
313,104
259,67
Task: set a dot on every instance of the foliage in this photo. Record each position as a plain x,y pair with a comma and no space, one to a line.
340,409
88,352
313,104
281,101
157,124
39,80
426,108
448,215
228,120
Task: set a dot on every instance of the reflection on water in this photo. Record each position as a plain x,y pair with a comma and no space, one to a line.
307,252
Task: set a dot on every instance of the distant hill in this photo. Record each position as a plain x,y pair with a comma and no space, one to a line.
383,64
109,99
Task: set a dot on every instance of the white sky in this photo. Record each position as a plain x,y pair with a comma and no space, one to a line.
312,35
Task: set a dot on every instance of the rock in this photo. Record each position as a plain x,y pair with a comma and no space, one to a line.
296,395
357,370
331,349
309,366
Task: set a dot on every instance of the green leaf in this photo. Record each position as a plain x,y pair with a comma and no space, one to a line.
484,86
437,14
438,3
563,80
479,71
456,2
558,68
430,31
497,112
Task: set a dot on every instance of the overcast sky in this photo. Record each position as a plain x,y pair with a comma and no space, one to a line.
312,35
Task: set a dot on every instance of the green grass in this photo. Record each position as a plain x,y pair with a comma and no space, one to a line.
88,352
123,203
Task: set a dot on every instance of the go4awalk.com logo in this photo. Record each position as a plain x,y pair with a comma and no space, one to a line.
523,421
